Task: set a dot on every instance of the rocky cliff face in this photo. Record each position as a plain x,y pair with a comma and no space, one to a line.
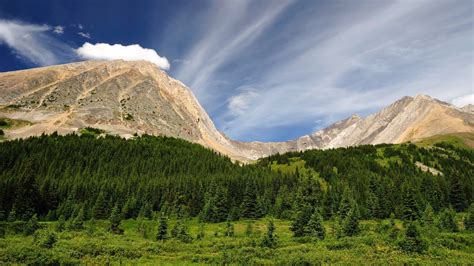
136,97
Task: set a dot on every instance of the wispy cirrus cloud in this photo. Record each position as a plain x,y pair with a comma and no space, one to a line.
324,60
34,43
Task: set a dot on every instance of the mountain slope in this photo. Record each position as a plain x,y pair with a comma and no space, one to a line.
124,98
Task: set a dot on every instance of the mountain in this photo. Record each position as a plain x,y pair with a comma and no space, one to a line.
122,97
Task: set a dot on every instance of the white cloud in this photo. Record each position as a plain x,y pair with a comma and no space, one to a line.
58,29
105,51
33,43
464,100
240,103
84,34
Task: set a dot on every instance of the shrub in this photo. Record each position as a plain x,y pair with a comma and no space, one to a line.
469,220
447,220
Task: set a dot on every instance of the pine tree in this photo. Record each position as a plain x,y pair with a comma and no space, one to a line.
428,216
350,225
412,241
146,210
469,220
229,230
32,225
298,227
410,206
77,222
60,225
457,196
270,240
220,207
115,219
183,233
447,220
100,209
162,233
346,203
249,203
315,226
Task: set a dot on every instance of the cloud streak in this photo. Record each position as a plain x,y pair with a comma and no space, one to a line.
305,65
33,43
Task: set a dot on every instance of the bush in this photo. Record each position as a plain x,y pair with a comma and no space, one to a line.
45,239
447,220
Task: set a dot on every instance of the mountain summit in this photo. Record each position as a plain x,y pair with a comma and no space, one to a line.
124,98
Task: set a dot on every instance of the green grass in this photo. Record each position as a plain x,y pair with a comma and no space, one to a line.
96,245
8,123
459,140
90,131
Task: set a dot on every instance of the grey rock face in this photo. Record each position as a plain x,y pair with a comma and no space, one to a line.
136,97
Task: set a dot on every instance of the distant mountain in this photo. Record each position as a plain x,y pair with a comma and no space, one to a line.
124,98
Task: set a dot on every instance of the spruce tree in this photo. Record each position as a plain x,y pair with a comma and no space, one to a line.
346,203
298,227
249,203
350,225
410,205
77,222
100,209
270,240
428,217
162,233
60,225
457,196
412,241
229,229
315,226
469,220
32,225
447,220
115,219
146,210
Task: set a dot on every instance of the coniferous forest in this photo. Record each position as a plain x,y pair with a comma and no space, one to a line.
59,194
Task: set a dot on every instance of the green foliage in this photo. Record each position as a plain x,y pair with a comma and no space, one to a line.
350,224
77,223
315,226
162,233
45,239
299,225
32,225
469,220
447,220
115,219
270,239
229,230
412,240
428,217
61,224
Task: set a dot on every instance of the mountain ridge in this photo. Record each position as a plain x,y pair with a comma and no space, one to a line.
127,97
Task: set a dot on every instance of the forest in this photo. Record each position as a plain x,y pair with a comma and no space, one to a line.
155,191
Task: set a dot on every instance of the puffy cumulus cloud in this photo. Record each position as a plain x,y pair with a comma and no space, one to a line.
105,51
33,43
464,100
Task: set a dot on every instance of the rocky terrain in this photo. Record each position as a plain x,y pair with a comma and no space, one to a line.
125,98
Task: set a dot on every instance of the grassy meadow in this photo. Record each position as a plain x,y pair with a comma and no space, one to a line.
377,243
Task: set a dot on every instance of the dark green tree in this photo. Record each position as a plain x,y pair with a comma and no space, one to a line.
32,225
77,223
315,227
60,225
249,203
100,209
469,220
457,195
410,205
162,233
298,227
350,225
115,219
412,242
270,239
447,220
428,217
229,229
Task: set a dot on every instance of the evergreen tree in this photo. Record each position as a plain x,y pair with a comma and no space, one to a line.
32,225
249,229
100,209
346,203
315,226
249,203
298,227
410,206
447,220
350,225
60,225
146,210
229,229
162,233
412,241
428,217
201,232
270,240
77,222
457,196
115,219
469,220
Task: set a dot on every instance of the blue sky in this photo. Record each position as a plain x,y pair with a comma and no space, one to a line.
264,70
